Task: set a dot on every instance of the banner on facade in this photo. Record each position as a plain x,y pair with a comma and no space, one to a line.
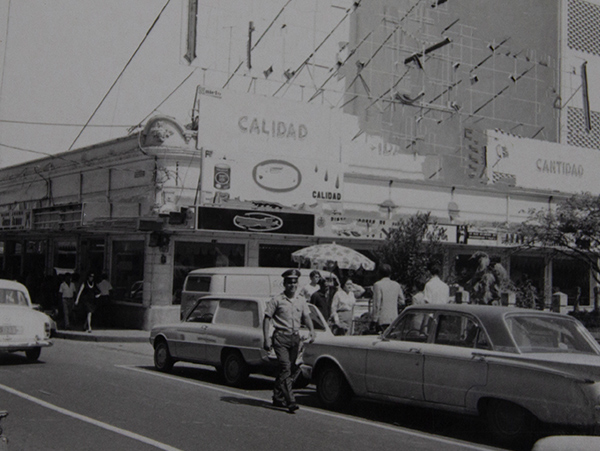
534,164
267,149
234,220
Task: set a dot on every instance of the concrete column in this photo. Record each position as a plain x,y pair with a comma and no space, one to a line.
158,286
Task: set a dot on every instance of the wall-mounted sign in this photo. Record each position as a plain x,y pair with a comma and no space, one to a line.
258,148
235,220
530,163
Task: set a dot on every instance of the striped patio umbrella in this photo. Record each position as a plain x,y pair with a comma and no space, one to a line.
324,255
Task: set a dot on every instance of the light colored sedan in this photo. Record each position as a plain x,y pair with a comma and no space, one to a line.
21,327
224,331
517,368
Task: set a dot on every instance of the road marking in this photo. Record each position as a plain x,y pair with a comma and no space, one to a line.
410,432
80,417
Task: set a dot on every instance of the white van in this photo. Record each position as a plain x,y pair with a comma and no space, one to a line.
244,280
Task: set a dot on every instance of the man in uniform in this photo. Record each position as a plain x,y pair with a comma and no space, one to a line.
286,311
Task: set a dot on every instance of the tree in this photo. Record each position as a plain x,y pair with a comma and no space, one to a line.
412,247
572,229
488,282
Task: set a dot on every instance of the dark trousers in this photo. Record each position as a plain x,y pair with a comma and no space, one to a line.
67,305
286,348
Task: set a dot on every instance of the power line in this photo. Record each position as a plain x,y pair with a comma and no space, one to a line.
59,124
256,43
305,62
119,76
164,100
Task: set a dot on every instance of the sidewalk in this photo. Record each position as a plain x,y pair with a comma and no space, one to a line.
105,335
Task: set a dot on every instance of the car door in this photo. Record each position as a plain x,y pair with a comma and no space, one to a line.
451,365
395,361
191,342
236,325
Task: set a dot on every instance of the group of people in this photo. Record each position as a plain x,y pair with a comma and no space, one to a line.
286,312
335,302
85,297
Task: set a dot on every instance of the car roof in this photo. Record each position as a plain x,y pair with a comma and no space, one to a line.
484,312
244,297
12,284
491,317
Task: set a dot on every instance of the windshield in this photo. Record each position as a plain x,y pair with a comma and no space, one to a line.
12,297
537,333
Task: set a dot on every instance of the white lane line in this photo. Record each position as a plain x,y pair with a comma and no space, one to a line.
78,416
465,445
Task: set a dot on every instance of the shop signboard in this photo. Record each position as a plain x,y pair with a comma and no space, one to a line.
257,148
534,164
365,228
255,221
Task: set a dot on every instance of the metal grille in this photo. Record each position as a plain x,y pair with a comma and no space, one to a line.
576,132
584,27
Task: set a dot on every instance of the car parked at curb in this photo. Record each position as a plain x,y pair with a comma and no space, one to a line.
519,369
224,331
22,328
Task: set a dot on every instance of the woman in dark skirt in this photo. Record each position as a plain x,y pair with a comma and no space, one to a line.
88,296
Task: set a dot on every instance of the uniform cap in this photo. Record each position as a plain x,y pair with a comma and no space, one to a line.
291,274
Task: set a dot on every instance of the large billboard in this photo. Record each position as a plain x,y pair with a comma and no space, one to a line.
533,164
258,148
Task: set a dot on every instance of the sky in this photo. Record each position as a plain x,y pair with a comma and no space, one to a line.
59,59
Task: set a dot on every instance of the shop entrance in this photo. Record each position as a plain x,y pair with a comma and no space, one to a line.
571,277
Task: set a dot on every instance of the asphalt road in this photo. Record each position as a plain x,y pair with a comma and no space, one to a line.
107,396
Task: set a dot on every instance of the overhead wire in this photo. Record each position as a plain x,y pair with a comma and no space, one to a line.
62,124
325,39
258,40
164,100
120,74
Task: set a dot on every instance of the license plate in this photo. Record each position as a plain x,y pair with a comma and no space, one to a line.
9,330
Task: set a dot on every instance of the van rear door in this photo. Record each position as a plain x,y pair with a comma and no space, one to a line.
195,287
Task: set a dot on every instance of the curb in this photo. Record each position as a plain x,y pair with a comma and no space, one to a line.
99,337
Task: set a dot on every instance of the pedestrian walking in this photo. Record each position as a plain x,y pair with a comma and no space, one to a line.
88,296
286,312
342,306
311,287
67,291
436,291
321,299
387,299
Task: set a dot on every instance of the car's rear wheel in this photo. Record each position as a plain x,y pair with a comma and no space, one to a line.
509,423
332,387
234,369
33,354
162,357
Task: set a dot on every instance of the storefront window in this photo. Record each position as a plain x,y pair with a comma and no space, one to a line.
128,270
65,255
571,277
195,255
277,255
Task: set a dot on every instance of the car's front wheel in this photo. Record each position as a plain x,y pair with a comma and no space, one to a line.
234,369
332,388
33,354
509,423
162,357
